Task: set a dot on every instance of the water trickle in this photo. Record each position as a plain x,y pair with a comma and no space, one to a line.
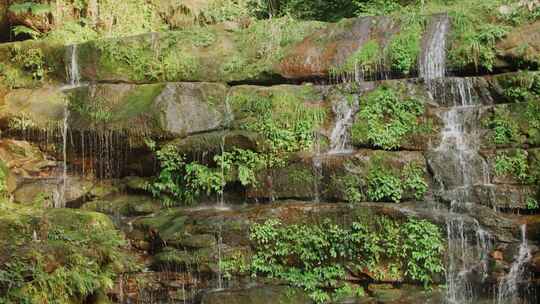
73,72
223,181
60,195
220,263
433,58
344,109
316,164
509,286
468,250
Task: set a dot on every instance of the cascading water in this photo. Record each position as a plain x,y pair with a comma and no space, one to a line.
73,81
509,286
461,170
316,164
433,58
344,109
73,71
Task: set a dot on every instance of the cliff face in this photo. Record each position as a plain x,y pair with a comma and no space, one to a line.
294,160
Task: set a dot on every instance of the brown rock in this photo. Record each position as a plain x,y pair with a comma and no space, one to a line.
497,255
523,43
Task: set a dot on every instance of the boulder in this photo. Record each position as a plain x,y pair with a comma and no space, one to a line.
522,44
171,109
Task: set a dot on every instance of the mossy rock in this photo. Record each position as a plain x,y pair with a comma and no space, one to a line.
512,125
193,54
212,143
193,241
201,260
31,63
49,244
349,178
521,45
24,109
125,205
172,109
297,179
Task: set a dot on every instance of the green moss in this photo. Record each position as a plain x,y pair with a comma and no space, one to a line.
139,101
170,258
3,179
284,116
170,223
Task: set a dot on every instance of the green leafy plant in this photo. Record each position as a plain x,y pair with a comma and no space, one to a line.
313,255
383,185
367,59
31,60
281,118
180,182
404,48
244,162
386,119
532,203
504,128
516,165
24,30
413,180
59,256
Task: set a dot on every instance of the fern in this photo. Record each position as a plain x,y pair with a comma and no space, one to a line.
21,29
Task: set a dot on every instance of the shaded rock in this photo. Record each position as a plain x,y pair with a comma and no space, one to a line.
192,108
194,241
257,295
535,262
124,205
504,196
406,294
297,180
46,191
136,183
211,143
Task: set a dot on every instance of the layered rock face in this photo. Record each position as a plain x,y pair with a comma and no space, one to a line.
329,138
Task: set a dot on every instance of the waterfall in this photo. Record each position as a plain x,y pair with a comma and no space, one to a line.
468,250
508,288
344,109
459,168
432,63
73,73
